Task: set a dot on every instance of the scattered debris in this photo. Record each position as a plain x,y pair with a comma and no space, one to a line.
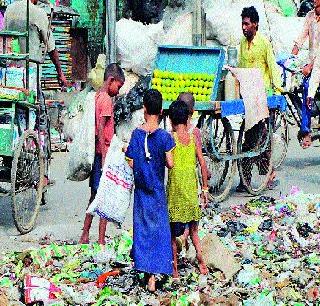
276,253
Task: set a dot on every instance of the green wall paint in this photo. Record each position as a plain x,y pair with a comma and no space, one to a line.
92,17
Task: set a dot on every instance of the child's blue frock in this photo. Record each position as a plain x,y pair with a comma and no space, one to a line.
152,251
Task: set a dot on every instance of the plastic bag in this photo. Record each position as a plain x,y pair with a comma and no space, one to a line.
180,33
288,8
73,117
139,53
38,289
82,150
96,75
116,183
125,105
292,26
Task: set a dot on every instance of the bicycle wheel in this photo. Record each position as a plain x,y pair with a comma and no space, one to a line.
280,139
44,127
219,143
256,167
26,181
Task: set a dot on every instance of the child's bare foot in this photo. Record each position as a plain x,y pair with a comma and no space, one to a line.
203,268
102,242
152,284
84,238
175,275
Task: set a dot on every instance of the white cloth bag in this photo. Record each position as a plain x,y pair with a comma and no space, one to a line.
115,187
82,149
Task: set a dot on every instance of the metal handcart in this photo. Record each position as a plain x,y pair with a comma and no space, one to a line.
223,152
24,128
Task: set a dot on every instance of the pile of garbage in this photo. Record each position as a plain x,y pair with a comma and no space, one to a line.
265,252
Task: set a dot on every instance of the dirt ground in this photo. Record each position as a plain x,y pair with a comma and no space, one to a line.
62,217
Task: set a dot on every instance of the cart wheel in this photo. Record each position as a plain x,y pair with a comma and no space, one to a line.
218,139
254,170
26,181
280,139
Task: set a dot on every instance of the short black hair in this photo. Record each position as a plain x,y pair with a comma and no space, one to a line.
114,70
188,98
250,12
179,112
152,101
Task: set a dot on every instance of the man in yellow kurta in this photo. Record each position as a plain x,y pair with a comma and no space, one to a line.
256,52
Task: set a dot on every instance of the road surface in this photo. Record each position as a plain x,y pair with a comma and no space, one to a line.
62,217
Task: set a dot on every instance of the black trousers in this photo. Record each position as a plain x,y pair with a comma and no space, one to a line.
254,139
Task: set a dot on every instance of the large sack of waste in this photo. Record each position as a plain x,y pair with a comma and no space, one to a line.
180,33
72,116
174,10
291,26
115,187
137,44
82,150
147,11
125,105
224,20
128,109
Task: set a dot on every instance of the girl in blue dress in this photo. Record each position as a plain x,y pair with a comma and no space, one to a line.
148,153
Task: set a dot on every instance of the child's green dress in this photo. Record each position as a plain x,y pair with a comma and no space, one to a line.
182,185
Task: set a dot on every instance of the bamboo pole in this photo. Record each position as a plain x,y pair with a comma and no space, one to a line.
198,24
111,13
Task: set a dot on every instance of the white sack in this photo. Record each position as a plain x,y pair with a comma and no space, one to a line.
82,150
180,33
73,116
137,44
291,26
115,187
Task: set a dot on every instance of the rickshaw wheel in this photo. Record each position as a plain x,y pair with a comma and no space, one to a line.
255,171
218,137
27,173
280,139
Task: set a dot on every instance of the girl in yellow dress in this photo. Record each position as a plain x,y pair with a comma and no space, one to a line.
182,185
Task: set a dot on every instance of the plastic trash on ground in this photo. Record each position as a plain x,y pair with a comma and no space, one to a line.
274,243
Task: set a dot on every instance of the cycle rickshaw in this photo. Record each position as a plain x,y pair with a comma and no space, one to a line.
294,92
24,133
223,152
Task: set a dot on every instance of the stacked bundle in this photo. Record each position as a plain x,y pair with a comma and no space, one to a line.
61,32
